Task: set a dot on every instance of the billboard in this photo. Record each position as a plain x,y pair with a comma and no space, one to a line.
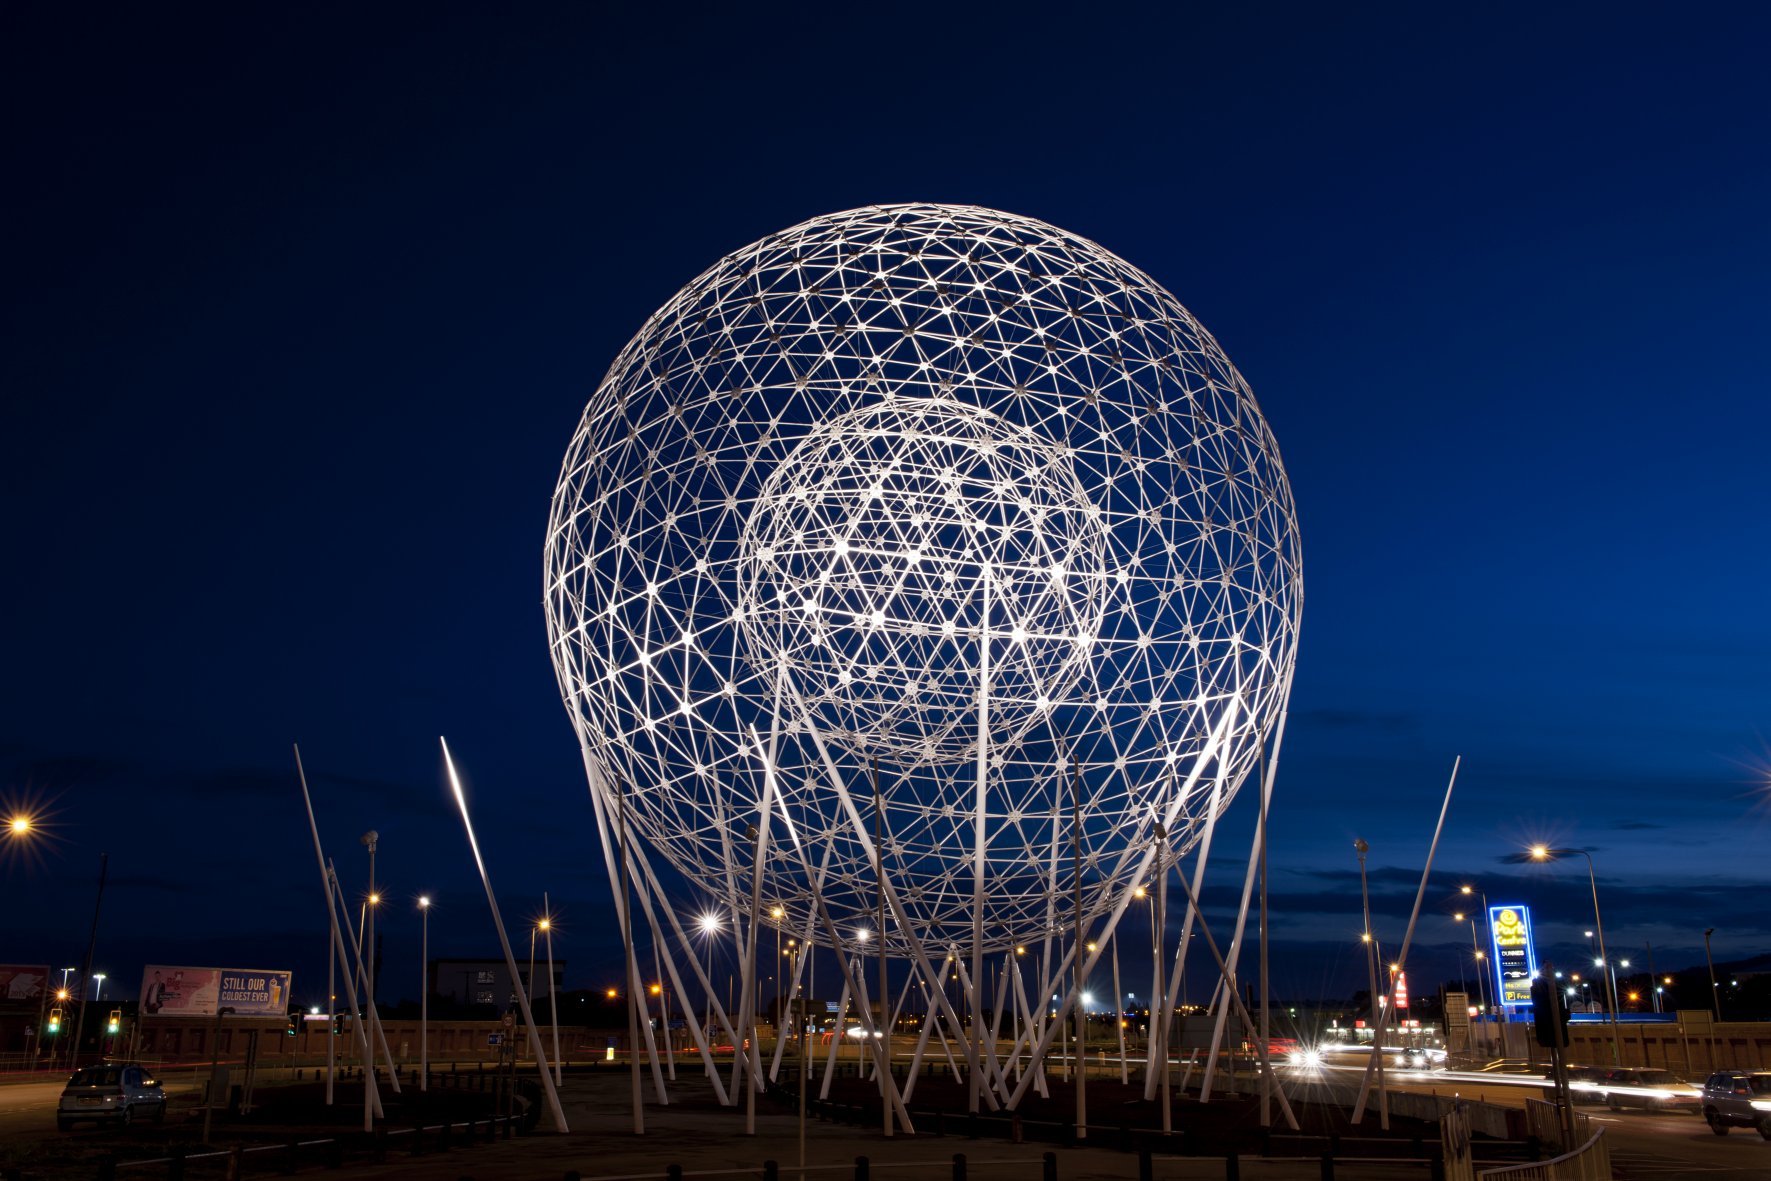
1515,956
24,982
182,991
254,992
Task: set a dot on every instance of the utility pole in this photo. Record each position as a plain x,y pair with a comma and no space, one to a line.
104,862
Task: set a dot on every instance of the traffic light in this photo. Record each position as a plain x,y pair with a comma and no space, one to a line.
294,1024
116,1021
55,1021
1549,1016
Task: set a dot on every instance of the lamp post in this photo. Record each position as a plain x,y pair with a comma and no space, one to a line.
1545,853
104,862
777,913
1383,1099
553,1008
369,839
424,993
98,986
1476,960
1715,989
709,926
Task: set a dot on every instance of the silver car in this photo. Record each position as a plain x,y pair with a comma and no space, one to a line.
1738,1099
117,1092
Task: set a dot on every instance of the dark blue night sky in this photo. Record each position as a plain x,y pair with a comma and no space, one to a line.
302,306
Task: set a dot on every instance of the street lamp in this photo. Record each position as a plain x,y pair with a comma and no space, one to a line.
709,927
369,840
424,994
1377,1049
1545,853
778,913
98,986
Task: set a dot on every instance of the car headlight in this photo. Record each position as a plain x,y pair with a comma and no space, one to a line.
1761,1104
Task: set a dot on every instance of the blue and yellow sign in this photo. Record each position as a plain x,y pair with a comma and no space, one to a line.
1515,956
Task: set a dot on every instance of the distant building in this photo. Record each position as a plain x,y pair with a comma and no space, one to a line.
488,982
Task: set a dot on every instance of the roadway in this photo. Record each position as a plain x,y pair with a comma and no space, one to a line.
1645,1146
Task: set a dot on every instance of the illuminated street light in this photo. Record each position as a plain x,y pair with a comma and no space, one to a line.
424,994
1544,853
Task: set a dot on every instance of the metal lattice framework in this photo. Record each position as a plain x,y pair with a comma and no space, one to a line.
940,495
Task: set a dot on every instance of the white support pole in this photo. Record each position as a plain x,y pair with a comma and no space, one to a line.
879,922
1178,972
663,1008
510,959
975,1045
850,985
1035,1067
997,1007
375,1032
1076,955
646,887
842,1015
1230,979
1267,1080
624,917
974,989
553,1004
331,1004
903,999
922,1041
859,828
1119,1013
1265,770
1160,1015
350,988
1144,859
1260,1050
891,893
745,1052
1377,1037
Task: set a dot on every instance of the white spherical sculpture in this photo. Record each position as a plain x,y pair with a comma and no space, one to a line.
887,486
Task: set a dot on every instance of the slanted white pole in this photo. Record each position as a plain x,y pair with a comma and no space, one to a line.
1377,1039
625,915
510,959
331,1008
1236,999
373,1015
372,1108
1119,1013
553,1004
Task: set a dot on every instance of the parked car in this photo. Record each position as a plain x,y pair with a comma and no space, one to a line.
1738,1099
1650,1089
117,1092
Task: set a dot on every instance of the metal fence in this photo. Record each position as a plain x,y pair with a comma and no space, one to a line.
1590,1162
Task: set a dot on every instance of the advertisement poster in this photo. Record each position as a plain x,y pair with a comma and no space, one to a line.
184,991
1515,959
176,991
23,982
254,992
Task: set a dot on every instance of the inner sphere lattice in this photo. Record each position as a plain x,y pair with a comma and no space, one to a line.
892,484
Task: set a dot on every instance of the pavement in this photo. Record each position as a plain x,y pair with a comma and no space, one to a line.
709,1141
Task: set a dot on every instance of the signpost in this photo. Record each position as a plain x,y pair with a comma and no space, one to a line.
1515,955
